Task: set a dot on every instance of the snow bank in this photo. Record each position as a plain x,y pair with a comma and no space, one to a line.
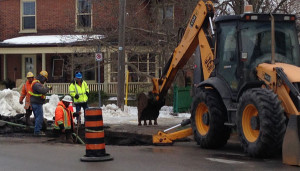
9,106
113,115
9,103
49,108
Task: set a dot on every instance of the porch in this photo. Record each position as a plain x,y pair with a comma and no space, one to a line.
109,88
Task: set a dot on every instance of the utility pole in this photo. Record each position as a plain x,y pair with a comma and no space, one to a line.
99,73
121,54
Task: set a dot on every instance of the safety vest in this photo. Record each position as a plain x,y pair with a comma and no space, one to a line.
63,116
25,93
33,94
74,89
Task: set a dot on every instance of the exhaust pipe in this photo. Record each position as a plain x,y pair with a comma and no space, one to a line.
272,39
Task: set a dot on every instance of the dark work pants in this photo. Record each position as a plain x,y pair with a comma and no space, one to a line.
79,105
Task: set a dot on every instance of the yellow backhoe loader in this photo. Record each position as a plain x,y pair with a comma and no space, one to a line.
250,82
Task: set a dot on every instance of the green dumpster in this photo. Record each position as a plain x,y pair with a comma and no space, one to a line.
182,99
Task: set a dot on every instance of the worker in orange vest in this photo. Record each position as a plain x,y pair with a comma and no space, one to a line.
25,93
64,120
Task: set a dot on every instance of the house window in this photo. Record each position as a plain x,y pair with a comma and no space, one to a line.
85,63
140,66
58,68
114,67
84,14
166,16
28,15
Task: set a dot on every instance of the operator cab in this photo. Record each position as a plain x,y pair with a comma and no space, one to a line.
244,42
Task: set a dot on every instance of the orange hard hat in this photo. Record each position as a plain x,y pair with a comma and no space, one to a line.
44,73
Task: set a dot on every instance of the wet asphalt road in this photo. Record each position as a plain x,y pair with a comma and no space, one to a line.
40,154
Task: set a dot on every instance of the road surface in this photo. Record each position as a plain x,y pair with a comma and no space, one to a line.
23,153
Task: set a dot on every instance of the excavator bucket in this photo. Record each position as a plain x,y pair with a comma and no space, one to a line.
291,142
148,108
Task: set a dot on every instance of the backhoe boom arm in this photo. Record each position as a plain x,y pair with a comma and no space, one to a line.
193,36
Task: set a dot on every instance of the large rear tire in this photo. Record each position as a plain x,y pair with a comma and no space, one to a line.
207,119
260,122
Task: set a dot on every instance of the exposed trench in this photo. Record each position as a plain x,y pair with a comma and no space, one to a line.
111,137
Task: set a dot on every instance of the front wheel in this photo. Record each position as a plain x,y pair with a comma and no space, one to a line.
207,119
260,122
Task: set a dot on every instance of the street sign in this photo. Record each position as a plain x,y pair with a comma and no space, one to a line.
98,57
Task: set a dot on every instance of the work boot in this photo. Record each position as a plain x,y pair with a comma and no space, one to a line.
44,125
40,134
28,122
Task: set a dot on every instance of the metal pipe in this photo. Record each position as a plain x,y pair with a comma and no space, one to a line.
79,139
183,123
173,127
15,124
126,91
99,77
211,26
272,39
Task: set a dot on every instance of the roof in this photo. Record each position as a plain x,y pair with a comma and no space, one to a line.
48,40
227,18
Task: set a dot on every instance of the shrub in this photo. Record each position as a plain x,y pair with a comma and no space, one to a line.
94,97
9,84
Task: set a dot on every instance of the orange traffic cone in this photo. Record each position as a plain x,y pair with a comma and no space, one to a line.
94,136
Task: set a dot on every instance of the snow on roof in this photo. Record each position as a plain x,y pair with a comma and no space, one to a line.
51,39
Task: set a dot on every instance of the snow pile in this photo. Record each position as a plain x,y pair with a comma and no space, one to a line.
167,112
49,108
9,103
115,111
113,115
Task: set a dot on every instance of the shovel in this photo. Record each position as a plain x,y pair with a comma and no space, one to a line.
77,129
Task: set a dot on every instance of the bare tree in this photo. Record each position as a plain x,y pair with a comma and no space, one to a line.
152,26
236,7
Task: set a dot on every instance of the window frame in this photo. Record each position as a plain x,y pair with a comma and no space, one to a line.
114,63
90,61
163,18
81,29
58,65
22,30
139,63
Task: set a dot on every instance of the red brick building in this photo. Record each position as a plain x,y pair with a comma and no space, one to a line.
35,35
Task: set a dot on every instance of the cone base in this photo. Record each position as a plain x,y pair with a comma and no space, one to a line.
106,157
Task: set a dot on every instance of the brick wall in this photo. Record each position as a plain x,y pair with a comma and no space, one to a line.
55,17
58,16
10,18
